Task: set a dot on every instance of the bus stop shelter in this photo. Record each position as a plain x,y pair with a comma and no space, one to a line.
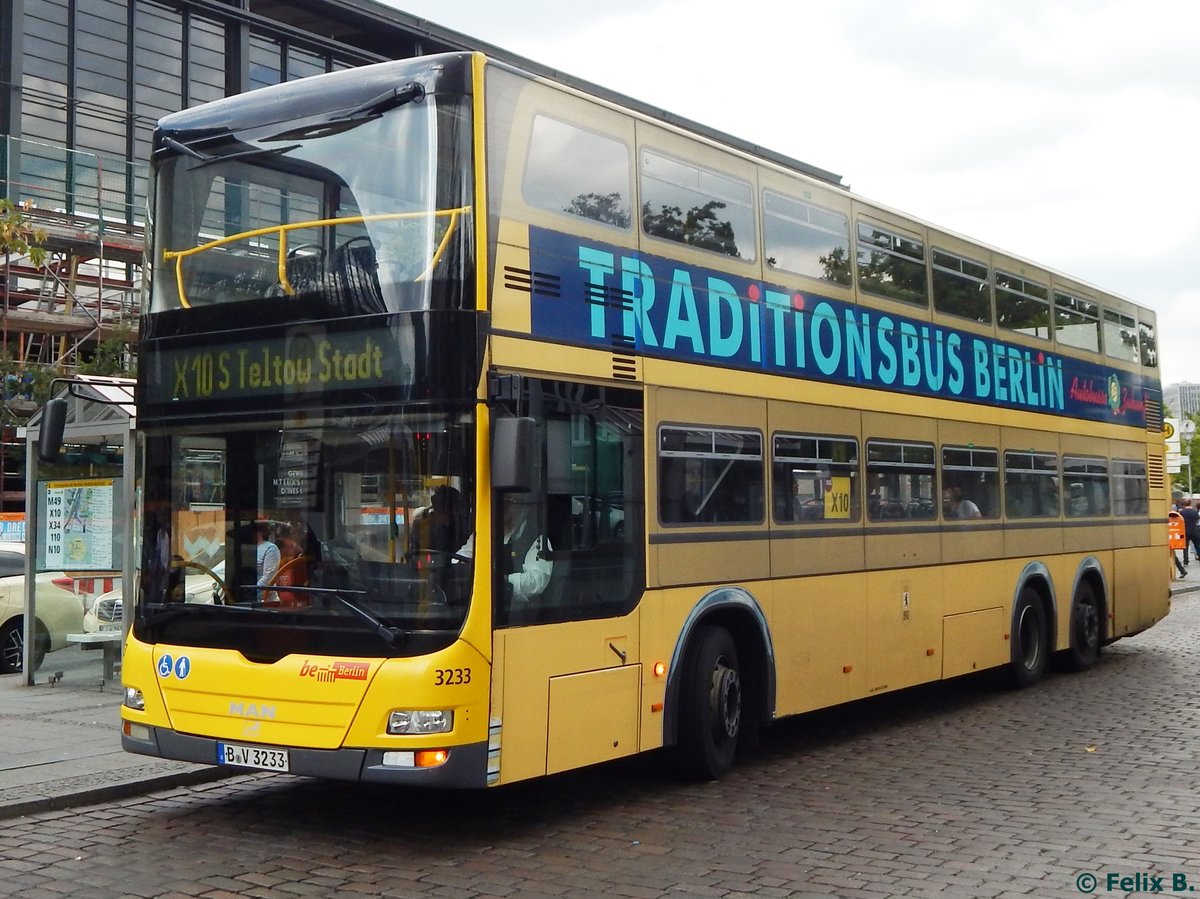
80,525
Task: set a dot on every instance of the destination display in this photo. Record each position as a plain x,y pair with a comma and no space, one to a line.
271,366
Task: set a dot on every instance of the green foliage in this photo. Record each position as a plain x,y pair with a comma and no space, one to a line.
110,357
18,236
700,226
607,208
26,385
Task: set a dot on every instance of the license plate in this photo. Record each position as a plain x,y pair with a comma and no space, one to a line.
105,628
252,757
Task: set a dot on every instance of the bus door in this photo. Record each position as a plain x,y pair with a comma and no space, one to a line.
568,572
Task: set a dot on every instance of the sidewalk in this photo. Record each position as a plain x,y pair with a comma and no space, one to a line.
60,746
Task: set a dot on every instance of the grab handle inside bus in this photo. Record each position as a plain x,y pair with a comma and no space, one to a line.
512,454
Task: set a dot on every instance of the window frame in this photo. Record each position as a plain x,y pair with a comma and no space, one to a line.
1015,289
741,244
906,468
1113,322
959,274
1120,501
854,468
581,132
753,436
866,243
793,223
989,509
1053,475
1083,315
1095,470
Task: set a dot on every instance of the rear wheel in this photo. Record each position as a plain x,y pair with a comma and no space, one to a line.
1030,639
1086,630
711,705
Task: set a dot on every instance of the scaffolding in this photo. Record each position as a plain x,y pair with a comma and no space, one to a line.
84,292
87,289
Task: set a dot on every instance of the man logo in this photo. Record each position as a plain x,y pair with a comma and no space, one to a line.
252,710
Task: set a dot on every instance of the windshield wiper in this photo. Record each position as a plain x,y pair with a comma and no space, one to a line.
242,154
366,112
209,158
396,97
392,636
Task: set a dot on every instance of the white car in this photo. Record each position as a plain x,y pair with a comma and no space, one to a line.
57,609
105,611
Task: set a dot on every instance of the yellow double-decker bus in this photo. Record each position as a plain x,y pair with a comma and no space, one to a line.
495,427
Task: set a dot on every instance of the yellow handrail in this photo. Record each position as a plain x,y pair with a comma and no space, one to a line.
282,230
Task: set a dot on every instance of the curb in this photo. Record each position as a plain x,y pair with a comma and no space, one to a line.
116,791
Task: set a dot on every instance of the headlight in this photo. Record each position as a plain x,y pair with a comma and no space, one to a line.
134,699
431,721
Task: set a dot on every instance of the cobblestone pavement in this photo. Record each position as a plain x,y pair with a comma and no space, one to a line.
958,790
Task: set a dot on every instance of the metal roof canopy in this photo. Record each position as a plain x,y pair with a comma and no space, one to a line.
100,411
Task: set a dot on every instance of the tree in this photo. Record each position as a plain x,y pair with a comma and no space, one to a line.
110,357
608,208
21,238
18,236
699,227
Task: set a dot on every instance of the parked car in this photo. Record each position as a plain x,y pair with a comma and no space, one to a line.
105,611
58,610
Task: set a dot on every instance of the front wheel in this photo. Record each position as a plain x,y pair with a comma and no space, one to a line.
1030,639
711,705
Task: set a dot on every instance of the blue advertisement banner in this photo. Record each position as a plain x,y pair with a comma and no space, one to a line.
614,298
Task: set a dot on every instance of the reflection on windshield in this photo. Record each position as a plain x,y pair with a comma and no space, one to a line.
352,523
347,220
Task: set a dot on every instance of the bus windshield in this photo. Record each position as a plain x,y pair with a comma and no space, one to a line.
347,535
329,212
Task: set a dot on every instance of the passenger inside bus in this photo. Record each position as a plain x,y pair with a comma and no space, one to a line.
440,527
955,505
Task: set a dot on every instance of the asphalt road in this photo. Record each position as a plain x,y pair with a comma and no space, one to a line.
1084,785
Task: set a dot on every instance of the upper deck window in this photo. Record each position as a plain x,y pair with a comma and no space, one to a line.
1120,336
580,172
960,287
1149,345
699,207
304,218
891,265
806,239
1022,306
1076,322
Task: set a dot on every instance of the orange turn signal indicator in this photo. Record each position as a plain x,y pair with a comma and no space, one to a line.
430,758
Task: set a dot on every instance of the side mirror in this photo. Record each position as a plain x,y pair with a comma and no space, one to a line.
54,425
512,454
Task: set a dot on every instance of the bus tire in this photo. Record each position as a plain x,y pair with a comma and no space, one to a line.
1086,630
711,710
1030,639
